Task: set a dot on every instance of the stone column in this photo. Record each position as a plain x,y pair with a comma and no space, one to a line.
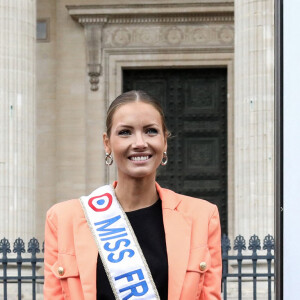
254,118
17,119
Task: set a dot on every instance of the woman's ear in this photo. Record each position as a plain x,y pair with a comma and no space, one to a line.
166,143
106,143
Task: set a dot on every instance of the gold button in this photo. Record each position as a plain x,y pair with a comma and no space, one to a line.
202,266
61,271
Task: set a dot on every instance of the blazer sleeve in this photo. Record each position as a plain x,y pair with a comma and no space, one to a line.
212,279
52,285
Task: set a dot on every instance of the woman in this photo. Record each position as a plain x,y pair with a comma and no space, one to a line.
153,243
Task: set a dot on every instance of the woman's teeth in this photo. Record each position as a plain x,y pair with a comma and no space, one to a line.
139,158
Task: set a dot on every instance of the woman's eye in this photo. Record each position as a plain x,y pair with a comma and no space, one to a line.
151,131
124,132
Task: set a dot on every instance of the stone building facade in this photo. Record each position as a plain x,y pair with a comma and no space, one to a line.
55,92
95,42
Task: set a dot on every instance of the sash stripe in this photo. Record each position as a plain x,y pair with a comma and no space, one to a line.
124,263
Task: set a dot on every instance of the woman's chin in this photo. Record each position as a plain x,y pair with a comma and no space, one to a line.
139,174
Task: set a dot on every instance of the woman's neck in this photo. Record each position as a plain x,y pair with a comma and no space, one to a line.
135,193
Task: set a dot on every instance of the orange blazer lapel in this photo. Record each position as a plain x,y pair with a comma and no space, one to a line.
86,255
178,236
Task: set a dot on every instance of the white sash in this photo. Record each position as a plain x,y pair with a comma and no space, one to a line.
120,252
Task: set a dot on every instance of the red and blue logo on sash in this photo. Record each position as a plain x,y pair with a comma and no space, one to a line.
100,203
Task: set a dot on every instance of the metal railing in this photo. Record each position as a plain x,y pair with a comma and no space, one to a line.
250,261
240,261
31,262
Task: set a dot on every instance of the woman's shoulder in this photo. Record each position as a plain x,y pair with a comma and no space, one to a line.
65,210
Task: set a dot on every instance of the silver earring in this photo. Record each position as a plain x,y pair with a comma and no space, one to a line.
108,159
164,160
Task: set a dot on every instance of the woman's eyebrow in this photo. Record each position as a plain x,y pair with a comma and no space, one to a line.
130,127
150,125
124,126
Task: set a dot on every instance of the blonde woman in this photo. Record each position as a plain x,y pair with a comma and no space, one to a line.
133,239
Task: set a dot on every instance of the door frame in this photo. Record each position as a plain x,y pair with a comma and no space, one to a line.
117,60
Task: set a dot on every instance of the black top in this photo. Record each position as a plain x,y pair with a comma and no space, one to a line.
148,227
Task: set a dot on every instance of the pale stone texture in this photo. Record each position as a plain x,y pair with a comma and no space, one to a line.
61,113
70,107
17,117
46,116
254,118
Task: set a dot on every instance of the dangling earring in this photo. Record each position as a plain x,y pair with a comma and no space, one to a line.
164,160
108,159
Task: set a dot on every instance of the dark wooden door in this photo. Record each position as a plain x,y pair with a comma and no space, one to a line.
195,104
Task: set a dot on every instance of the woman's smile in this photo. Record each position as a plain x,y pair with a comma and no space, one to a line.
140,158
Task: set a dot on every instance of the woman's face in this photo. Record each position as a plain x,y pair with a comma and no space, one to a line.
137,140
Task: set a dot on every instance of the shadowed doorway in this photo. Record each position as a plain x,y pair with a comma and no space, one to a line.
195,104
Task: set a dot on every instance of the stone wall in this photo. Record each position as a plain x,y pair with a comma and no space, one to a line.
17,119
71,116
162,35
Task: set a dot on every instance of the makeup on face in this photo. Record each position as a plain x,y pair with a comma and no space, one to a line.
137,139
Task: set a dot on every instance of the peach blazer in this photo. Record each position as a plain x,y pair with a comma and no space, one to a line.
192,230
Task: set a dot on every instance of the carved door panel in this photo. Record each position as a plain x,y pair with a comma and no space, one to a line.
195,104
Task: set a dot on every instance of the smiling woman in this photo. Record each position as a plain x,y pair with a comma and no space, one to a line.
137,142
133,239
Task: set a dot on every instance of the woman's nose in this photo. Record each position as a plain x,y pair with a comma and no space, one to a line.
140,141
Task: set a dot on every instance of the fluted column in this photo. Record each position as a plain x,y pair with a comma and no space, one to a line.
254,117
17,118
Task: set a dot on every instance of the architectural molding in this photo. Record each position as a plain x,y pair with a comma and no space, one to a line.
170,36
115,60
212,6
153,26
93,37
160,19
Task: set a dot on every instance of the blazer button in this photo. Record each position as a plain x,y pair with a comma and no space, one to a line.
202,265
61,271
